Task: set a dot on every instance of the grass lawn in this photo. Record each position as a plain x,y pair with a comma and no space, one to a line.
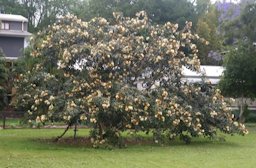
20,148
18,122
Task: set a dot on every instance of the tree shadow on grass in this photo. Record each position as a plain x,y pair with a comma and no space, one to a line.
133,142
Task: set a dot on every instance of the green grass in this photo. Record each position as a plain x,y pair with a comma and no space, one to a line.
19,122
21,148
11,122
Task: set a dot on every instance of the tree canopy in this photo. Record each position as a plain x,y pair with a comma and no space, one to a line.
240,70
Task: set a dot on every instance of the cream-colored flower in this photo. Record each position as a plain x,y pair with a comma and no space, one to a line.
83,117
93,120
106,104
51,107
47,102
37,102
43,118
52,98
38,119
213,114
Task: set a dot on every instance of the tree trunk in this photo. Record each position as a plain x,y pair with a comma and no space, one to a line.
75,131
56,139
241,118
100,131
4,119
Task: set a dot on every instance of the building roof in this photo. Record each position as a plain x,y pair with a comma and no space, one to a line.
10,17
10,58
212,73
208,70
14,33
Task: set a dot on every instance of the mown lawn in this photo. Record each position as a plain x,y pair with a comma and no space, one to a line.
19,123
20,148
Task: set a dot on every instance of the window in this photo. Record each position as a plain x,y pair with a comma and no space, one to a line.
5,26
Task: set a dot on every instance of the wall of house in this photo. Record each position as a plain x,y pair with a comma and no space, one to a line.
12,46
15,25
25,26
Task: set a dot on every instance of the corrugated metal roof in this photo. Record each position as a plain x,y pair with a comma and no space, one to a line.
208,70
212,73
9,17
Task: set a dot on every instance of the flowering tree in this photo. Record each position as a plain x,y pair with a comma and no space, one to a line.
119,76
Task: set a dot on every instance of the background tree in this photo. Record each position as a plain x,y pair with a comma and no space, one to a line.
3,77
40,13
239,76
11,6
201,6
236,21
3,89
207,27
159,11
240,32
249,22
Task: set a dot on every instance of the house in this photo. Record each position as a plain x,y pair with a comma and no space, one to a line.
13,39
13,35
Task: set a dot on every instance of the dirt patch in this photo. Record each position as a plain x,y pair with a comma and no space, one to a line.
86,141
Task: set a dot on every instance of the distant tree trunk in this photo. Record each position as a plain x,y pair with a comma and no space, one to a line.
4,119
100,130
241,118
75,130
